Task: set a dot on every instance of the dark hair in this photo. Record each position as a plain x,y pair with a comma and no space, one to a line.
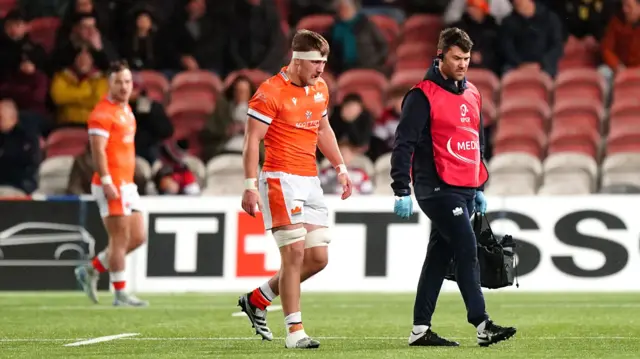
229,92
117,66
454,36
77,18
307,40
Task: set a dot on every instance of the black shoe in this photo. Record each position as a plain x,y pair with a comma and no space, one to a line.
493,333
257,317
430,338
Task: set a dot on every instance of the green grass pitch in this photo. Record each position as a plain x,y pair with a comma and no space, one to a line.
577,325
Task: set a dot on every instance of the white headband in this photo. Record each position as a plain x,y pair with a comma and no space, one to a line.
309,55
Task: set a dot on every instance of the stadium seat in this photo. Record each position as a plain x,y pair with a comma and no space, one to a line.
6,6
516,168
513,137
224,175
43,31
621,169
196,81
382,175
362,162
625,109
53,175
257,77
525,112
489,112
567,138
197,167
389,28
623,137
579,54
189,114
156,85
412,64
581,83
415,51
626,82
570,168
486,81
564,189
578,112
408,77
371,85
65,141
526,84
318,23
422,28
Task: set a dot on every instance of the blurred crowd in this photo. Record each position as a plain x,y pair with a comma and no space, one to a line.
54,54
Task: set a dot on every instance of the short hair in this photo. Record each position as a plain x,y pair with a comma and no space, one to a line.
117,66
454,36
306,40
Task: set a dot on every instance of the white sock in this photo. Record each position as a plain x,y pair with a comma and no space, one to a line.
417,329
104,260
118,280
267,292
291,319
481,326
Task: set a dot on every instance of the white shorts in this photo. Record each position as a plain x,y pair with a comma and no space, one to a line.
129,201
291,199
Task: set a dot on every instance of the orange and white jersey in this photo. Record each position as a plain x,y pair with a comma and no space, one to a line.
116,123
293,114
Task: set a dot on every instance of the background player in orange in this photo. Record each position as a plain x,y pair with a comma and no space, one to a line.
289,111
112,128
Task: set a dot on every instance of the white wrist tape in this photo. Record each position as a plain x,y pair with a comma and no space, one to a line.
251,184
341,168
106,179
309,55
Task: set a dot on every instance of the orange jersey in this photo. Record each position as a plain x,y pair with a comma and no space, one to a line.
118,125
293,114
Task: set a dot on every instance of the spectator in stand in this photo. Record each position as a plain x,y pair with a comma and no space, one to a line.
301,8
22,76
72,9
77,89
621,42
355,41
384,129
175,177
194,40
498,9
361,181
352,124
483,30
153,124
585,20
140,46
82,171
20,152
531,37
224,131
84,35
256,40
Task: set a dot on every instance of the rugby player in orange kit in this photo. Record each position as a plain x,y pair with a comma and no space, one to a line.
112,129
289,112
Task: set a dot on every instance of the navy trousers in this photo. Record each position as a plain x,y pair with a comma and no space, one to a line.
451,235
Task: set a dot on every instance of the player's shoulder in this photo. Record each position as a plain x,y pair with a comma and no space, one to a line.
471,86
102,110
321,85
271,89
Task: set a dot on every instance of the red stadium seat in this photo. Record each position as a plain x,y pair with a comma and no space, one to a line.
189,114
579,112
531,84
489,112
408,77
422,28
413,64
43,31
513,137
389,28
66,141
486,81
623,138
318,23
526,112
626,82
256,76
196,82
415,51
155,83
579,83
569,138
6,6
371,85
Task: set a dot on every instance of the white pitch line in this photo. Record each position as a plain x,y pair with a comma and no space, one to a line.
131,336
572,305
101,339
272,308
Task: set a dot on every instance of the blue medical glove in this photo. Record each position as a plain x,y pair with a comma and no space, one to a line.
481,202
403,206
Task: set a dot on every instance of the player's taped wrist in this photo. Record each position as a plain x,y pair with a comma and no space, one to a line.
341,168
251,184
105,180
